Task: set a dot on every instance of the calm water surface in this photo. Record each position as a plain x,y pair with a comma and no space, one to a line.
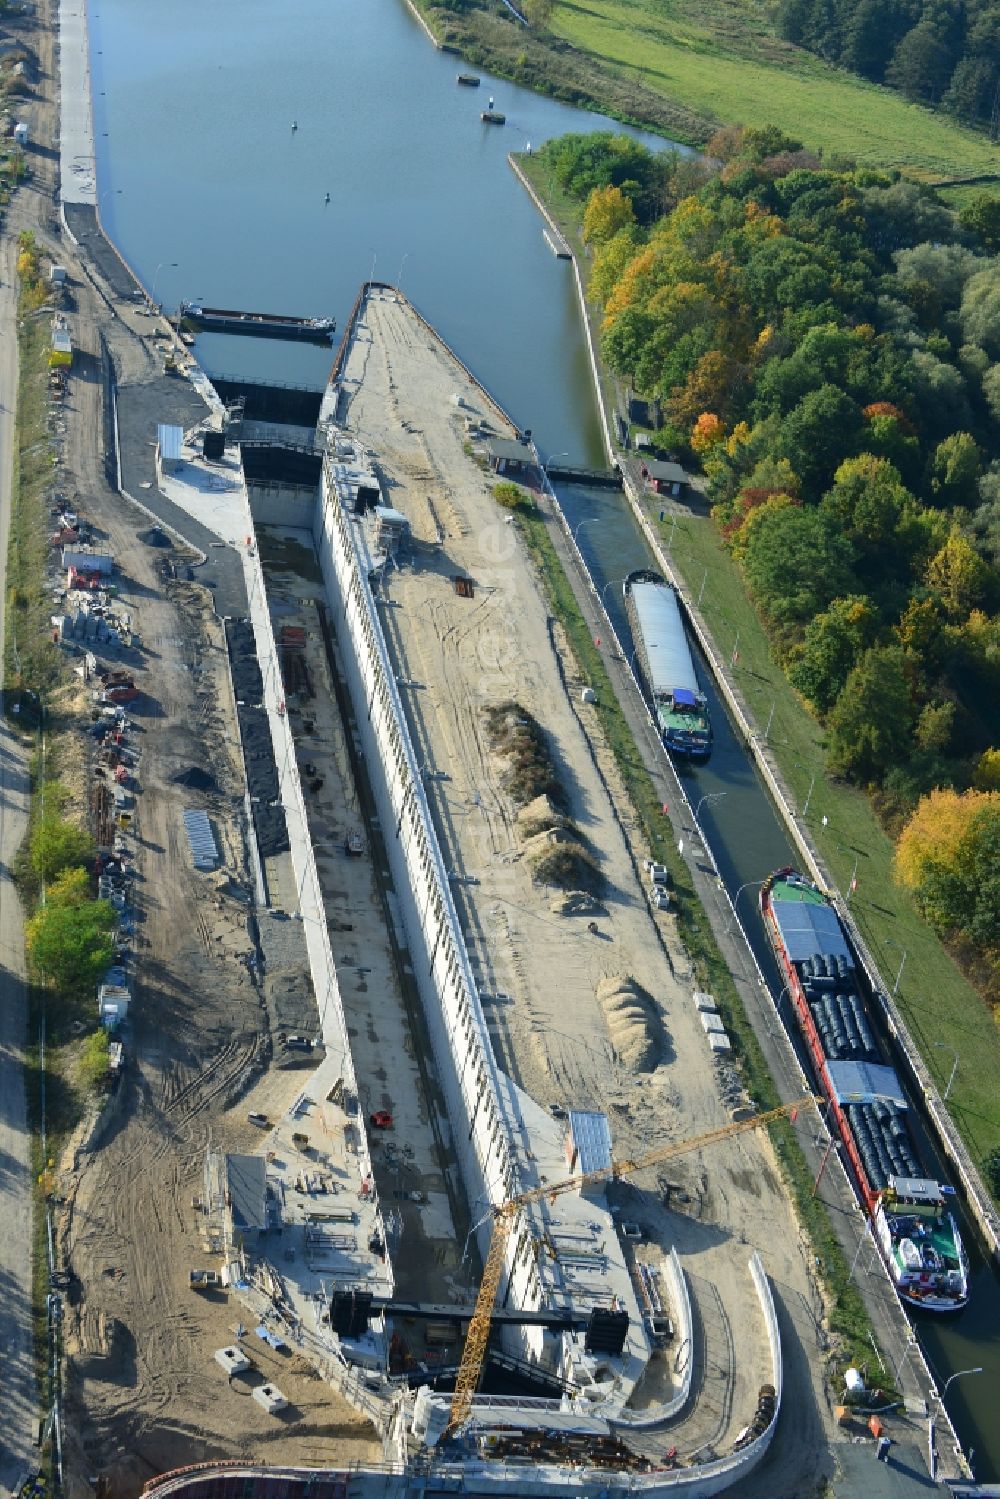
212,196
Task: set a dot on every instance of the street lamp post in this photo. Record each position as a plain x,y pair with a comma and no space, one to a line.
834,1144
943,1046
902,961
710,796
608,584
588,520
159,268
957,1375
745,886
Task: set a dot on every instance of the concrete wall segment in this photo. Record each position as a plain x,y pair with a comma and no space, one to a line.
456,1024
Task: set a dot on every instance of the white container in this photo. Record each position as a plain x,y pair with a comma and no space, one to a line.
233,1360
270,1397
854,1382
21,133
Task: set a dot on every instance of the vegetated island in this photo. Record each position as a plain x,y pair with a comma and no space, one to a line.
824,344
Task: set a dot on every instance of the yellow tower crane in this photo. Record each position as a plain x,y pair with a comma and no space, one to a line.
471,1368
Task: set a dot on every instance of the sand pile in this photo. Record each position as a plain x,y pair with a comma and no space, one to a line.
540,814
632,1021
576,903
557,857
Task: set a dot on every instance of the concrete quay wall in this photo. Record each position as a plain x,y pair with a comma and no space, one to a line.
465,1065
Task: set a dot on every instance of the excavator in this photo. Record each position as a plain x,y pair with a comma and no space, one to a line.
505,1215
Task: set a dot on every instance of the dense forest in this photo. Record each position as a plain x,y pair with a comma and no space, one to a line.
827,345
940,52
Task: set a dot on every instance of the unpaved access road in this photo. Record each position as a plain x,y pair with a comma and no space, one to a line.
143,1391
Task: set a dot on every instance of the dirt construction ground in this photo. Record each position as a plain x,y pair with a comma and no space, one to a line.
141,1376
541,970
142,1390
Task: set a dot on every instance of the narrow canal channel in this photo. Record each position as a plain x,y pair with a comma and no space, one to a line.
748,841
211,195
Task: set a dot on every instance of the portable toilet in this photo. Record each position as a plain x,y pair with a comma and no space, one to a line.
21,133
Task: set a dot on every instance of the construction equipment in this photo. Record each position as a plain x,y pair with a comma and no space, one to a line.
504,1217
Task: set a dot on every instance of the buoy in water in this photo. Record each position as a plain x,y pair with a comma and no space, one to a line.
327,198
491,101
295,124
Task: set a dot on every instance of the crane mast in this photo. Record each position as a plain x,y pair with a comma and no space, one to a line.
474,1353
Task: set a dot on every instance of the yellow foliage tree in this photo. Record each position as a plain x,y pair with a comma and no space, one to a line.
987,773
631,286
958,575
920,626
740,539
607,211
707,432
611,262
933,835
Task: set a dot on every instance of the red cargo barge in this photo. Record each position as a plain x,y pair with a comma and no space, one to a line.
868,1110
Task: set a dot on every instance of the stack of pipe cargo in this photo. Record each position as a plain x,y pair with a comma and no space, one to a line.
883,1141
837,1009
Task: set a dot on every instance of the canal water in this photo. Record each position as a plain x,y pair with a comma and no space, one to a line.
212,196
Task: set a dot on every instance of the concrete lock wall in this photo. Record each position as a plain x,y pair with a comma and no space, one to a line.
465,1064
312,908
282,504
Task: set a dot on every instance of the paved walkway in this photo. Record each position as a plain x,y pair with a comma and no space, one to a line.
77,162
17,1385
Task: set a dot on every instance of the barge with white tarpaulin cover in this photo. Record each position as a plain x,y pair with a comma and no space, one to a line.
910,1212
667,667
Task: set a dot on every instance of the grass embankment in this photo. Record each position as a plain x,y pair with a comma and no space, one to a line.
490,39
848,1321
685,68
725,61
30,660
944,1012
946,1015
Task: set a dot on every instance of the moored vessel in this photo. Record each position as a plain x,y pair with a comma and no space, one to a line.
257,324
910,1211
667,668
